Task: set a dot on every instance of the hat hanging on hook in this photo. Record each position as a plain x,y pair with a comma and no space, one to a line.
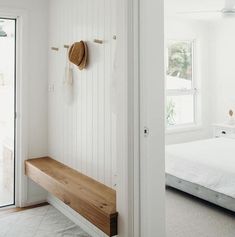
78,54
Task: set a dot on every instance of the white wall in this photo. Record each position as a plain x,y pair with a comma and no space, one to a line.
82,132
222,51
90,132
37,69
186,29
37,12
215,48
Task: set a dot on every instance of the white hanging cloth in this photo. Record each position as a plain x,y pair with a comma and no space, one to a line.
68,83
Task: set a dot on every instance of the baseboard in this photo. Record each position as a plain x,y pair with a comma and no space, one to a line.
34,200
75,217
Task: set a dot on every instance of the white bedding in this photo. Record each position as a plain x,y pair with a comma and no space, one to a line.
209,163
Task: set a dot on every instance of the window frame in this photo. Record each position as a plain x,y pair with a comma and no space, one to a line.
180,92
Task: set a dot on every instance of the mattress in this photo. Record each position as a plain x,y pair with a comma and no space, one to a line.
208,164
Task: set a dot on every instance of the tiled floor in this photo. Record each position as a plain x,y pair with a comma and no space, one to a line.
39,222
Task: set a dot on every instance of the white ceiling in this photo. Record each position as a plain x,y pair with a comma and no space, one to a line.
177,7
173,6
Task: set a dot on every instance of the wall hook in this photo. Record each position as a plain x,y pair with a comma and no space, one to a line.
55,48
98,41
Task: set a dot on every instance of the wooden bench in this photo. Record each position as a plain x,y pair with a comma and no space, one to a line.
91,199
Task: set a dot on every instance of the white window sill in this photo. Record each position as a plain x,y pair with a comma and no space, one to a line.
183,129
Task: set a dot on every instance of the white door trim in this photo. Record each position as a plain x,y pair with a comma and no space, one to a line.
152,145
134,112
145,177
128,119
21,98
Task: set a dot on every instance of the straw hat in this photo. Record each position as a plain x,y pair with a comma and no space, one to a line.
83,63
78,54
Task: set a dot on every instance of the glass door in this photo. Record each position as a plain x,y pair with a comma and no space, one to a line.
7,111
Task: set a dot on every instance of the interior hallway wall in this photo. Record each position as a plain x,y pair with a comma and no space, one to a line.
82,121
37,68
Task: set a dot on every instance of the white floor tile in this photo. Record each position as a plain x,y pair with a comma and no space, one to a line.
39,222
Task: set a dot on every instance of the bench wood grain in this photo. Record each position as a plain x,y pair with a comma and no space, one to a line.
91,199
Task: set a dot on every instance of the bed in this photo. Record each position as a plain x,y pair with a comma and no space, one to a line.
205,169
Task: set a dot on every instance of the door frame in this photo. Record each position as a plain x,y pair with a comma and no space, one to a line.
14,124
141,191
152,118
21,101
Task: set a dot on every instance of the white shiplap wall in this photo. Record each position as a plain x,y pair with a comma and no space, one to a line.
82,133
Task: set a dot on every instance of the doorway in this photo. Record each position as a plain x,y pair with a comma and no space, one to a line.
7,110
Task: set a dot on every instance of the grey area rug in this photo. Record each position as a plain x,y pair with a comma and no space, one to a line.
187,216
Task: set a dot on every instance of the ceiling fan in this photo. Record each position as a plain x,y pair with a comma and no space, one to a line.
227,10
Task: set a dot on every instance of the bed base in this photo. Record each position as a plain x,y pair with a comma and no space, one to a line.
199,191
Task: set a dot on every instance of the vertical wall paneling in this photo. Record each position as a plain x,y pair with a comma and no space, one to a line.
113,30
82,130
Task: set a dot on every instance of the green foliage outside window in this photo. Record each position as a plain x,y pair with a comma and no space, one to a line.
170,112
180,59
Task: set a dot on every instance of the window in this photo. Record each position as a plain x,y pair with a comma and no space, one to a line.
180,85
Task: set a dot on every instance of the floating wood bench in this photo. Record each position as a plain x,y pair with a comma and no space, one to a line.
91,199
